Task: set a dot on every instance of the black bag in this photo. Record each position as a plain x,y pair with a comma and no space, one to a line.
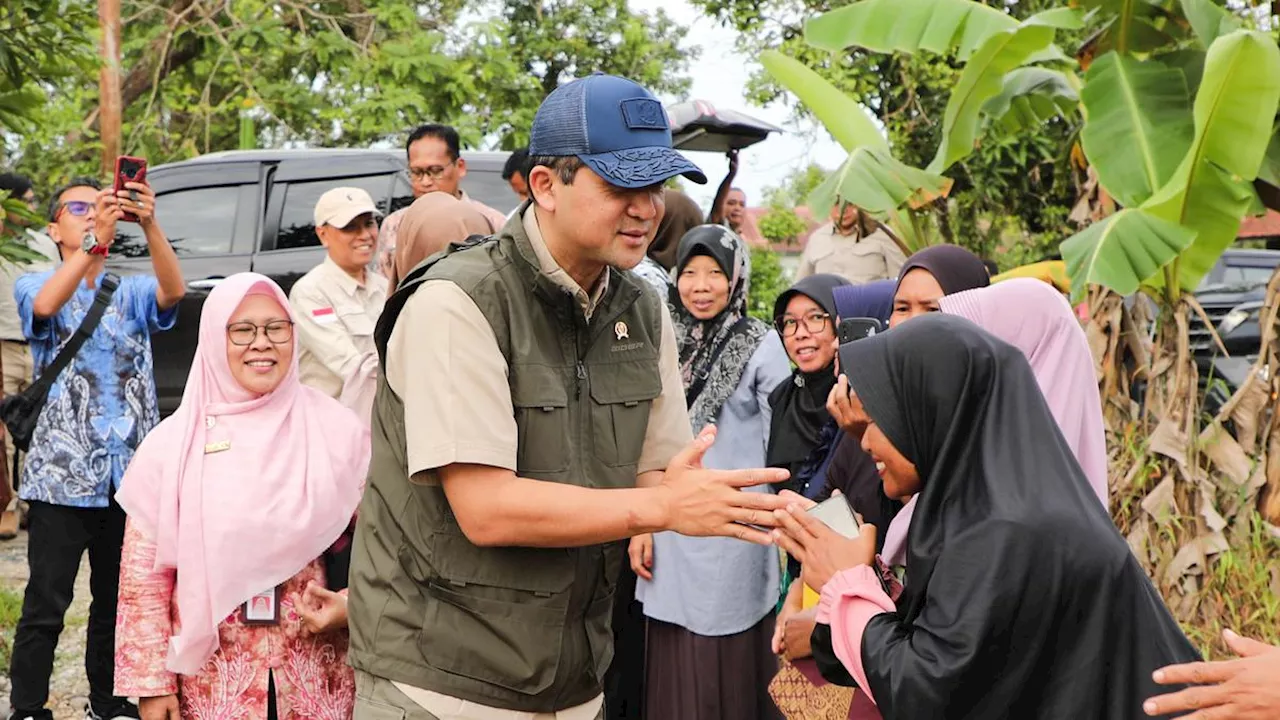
21,411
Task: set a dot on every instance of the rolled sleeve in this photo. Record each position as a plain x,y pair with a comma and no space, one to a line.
145,304
444,362
25,289
668,431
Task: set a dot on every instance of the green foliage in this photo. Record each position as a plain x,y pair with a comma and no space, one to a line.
795,187
1122,251
768,281
341,73
10,611
781,225
1016,184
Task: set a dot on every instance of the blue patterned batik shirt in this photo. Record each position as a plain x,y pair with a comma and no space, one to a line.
104,403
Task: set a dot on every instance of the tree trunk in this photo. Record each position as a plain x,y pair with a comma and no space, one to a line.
109,84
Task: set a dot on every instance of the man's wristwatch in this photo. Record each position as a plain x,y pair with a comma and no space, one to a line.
89,243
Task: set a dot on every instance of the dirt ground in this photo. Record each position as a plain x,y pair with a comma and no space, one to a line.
69,690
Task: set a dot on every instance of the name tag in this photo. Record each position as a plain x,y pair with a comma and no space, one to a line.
263,608
217,447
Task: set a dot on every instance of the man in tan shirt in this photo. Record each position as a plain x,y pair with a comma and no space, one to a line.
338,303
435,165
854,246
588,212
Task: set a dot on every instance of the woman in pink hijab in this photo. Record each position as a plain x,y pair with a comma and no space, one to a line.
1035,318
238,505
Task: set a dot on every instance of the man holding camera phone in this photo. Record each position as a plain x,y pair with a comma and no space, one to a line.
97,412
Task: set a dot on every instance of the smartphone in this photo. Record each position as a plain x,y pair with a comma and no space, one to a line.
837,515
857,328
129,169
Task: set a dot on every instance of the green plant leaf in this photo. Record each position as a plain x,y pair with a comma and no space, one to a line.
983,79
846,120
875,181
1122,251
1140,124
1234,114
1209,20
1030,96
908,26
1269,171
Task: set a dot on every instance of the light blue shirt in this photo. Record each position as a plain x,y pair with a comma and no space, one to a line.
104,403
723,586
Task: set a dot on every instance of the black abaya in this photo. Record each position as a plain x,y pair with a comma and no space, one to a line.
1021,599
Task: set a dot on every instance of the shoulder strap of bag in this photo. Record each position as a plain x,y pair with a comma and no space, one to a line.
101,301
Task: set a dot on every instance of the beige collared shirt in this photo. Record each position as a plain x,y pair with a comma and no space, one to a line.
857,259
335,316
458,409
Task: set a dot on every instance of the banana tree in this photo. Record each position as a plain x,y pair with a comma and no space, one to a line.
1179,103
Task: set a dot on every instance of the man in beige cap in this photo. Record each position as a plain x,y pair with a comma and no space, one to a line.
338,303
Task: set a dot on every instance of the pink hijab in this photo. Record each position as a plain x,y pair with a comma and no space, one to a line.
233,524
1034,317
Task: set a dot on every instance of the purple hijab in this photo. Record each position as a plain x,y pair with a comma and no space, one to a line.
1034,317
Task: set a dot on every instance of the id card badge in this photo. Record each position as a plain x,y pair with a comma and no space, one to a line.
263,608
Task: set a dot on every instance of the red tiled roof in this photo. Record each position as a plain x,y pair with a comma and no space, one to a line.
1256,227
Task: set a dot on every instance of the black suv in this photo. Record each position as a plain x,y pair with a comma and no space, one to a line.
1231,295
247,210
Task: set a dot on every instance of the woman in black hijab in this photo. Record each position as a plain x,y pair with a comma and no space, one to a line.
931,273
801,430
1022,600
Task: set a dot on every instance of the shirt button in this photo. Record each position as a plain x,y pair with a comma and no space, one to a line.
210,421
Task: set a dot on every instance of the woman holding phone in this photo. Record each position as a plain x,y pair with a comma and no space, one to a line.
710,600
999,616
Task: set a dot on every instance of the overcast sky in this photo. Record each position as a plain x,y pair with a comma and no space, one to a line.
720,76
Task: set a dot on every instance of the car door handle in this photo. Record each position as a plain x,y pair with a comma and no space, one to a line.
206,284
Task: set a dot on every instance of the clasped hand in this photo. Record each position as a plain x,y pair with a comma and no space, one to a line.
821,551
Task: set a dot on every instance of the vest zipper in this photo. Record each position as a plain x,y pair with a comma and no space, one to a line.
582,376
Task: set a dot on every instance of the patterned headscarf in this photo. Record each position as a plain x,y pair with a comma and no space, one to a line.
714,353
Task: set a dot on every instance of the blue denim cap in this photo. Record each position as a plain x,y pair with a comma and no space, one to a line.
616,127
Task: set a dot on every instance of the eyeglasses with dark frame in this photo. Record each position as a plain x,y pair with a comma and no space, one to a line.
278,332
79,208
435,172
813,322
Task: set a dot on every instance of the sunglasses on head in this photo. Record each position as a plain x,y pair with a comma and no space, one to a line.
79,208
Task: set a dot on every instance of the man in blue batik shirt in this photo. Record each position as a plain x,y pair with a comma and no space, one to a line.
99,410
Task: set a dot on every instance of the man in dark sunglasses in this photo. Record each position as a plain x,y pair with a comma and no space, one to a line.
98,411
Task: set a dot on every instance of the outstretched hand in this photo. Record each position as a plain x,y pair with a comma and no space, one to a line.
1244,689
821,551
702,502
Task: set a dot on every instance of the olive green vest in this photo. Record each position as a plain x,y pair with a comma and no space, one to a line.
512,627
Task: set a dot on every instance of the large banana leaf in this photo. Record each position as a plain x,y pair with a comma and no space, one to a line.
18,108
1234,113
1140,124
844,117
983,78
1030,96
908,26
1209,20
1123,251
875,181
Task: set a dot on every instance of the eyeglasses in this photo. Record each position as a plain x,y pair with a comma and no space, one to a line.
813,322
435,172
79,208
244,333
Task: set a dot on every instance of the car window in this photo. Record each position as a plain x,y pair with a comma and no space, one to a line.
490,189
1246,275
297,223
197,222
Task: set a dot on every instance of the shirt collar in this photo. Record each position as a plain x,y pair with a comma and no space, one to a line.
557,274
345,282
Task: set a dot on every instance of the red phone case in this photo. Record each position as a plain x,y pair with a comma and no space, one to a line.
120,179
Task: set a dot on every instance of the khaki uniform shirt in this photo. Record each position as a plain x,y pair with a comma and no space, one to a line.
857,259
335,317
458,386
10,323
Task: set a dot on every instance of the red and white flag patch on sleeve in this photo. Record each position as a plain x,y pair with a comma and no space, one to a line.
324,316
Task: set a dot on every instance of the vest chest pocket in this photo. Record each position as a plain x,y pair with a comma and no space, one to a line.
622,395
541,404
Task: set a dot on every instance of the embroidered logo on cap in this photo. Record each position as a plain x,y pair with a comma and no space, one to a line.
644,114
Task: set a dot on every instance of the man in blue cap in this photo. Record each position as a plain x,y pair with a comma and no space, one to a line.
531,417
